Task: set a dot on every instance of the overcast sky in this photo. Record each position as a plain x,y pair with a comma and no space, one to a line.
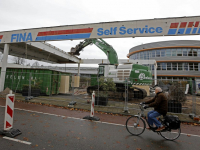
24,14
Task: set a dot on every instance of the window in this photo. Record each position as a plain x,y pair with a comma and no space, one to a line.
168,52
137,56
180,66
157,53
145,55
174,52
179,52
195,52
174,66
141,55
191,66
169,66
185,52
153,53
199,66
185,66
158,66
198,53
195,66
163,53
190,53
163,66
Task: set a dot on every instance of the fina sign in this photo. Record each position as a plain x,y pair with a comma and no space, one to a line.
118,29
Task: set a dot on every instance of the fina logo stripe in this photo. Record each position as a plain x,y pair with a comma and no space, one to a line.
64,34
184,28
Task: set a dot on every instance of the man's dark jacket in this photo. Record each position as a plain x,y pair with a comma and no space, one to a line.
159,102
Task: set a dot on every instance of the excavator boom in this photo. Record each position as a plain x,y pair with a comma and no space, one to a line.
101,44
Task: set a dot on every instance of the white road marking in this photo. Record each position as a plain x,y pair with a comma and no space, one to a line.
16,140
86,119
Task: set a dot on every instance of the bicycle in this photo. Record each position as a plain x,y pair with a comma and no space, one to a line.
136,125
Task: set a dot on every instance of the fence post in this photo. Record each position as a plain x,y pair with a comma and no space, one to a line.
91,116
126,97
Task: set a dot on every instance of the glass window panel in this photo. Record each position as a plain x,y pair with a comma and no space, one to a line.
185,66
198,52
185,52
199,66
153,53
191,66
194,52
157,53
169,66
137,56
141,55
163,53
196,66
174,52
149,54
190,52
158,66
168,52
174,66
152,67
145,55
164,67
179,52
180,66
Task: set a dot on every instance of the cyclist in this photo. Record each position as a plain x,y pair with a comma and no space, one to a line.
159,102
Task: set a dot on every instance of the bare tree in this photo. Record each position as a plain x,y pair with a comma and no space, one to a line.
35,64
18,60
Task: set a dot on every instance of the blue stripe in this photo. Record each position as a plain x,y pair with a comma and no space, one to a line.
63,37
199,31
172,31
181,31
188,31
194,31
0,41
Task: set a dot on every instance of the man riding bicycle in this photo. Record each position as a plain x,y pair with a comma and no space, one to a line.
159,102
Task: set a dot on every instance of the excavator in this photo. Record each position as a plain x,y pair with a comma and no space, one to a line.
132,74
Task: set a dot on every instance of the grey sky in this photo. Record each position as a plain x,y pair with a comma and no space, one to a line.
23,14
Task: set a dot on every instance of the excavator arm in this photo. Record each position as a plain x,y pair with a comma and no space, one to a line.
101,44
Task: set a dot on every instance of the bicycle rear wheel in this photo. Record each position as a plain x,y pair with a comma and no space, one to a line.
171,135
135,125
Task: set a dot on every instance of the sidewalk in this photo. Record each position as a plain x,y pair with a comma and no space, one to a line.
112,107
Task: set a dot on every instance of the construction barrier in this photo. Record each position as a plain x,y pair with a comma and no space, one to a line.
92,117
8,121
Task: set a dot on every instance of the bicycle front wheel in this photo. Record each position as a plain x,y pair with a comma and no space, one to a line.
171,135
135,125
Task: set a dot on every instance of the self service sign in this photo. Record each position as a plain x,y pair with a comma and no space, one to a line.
136,28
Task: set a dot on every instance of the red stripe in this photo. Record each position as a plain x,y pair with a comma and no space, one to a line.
8,124
11,98
183,24
190,24
9,111
59,32
196,24
174,25
1,36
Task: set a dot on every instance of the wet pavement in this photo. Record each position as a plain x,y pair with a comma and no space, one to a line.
57,128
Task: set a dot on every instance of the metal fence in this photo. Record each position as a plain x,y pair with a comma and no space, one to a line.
66,90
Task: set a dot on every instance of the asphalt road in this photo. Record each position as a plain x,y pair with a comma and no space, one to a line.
62,131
